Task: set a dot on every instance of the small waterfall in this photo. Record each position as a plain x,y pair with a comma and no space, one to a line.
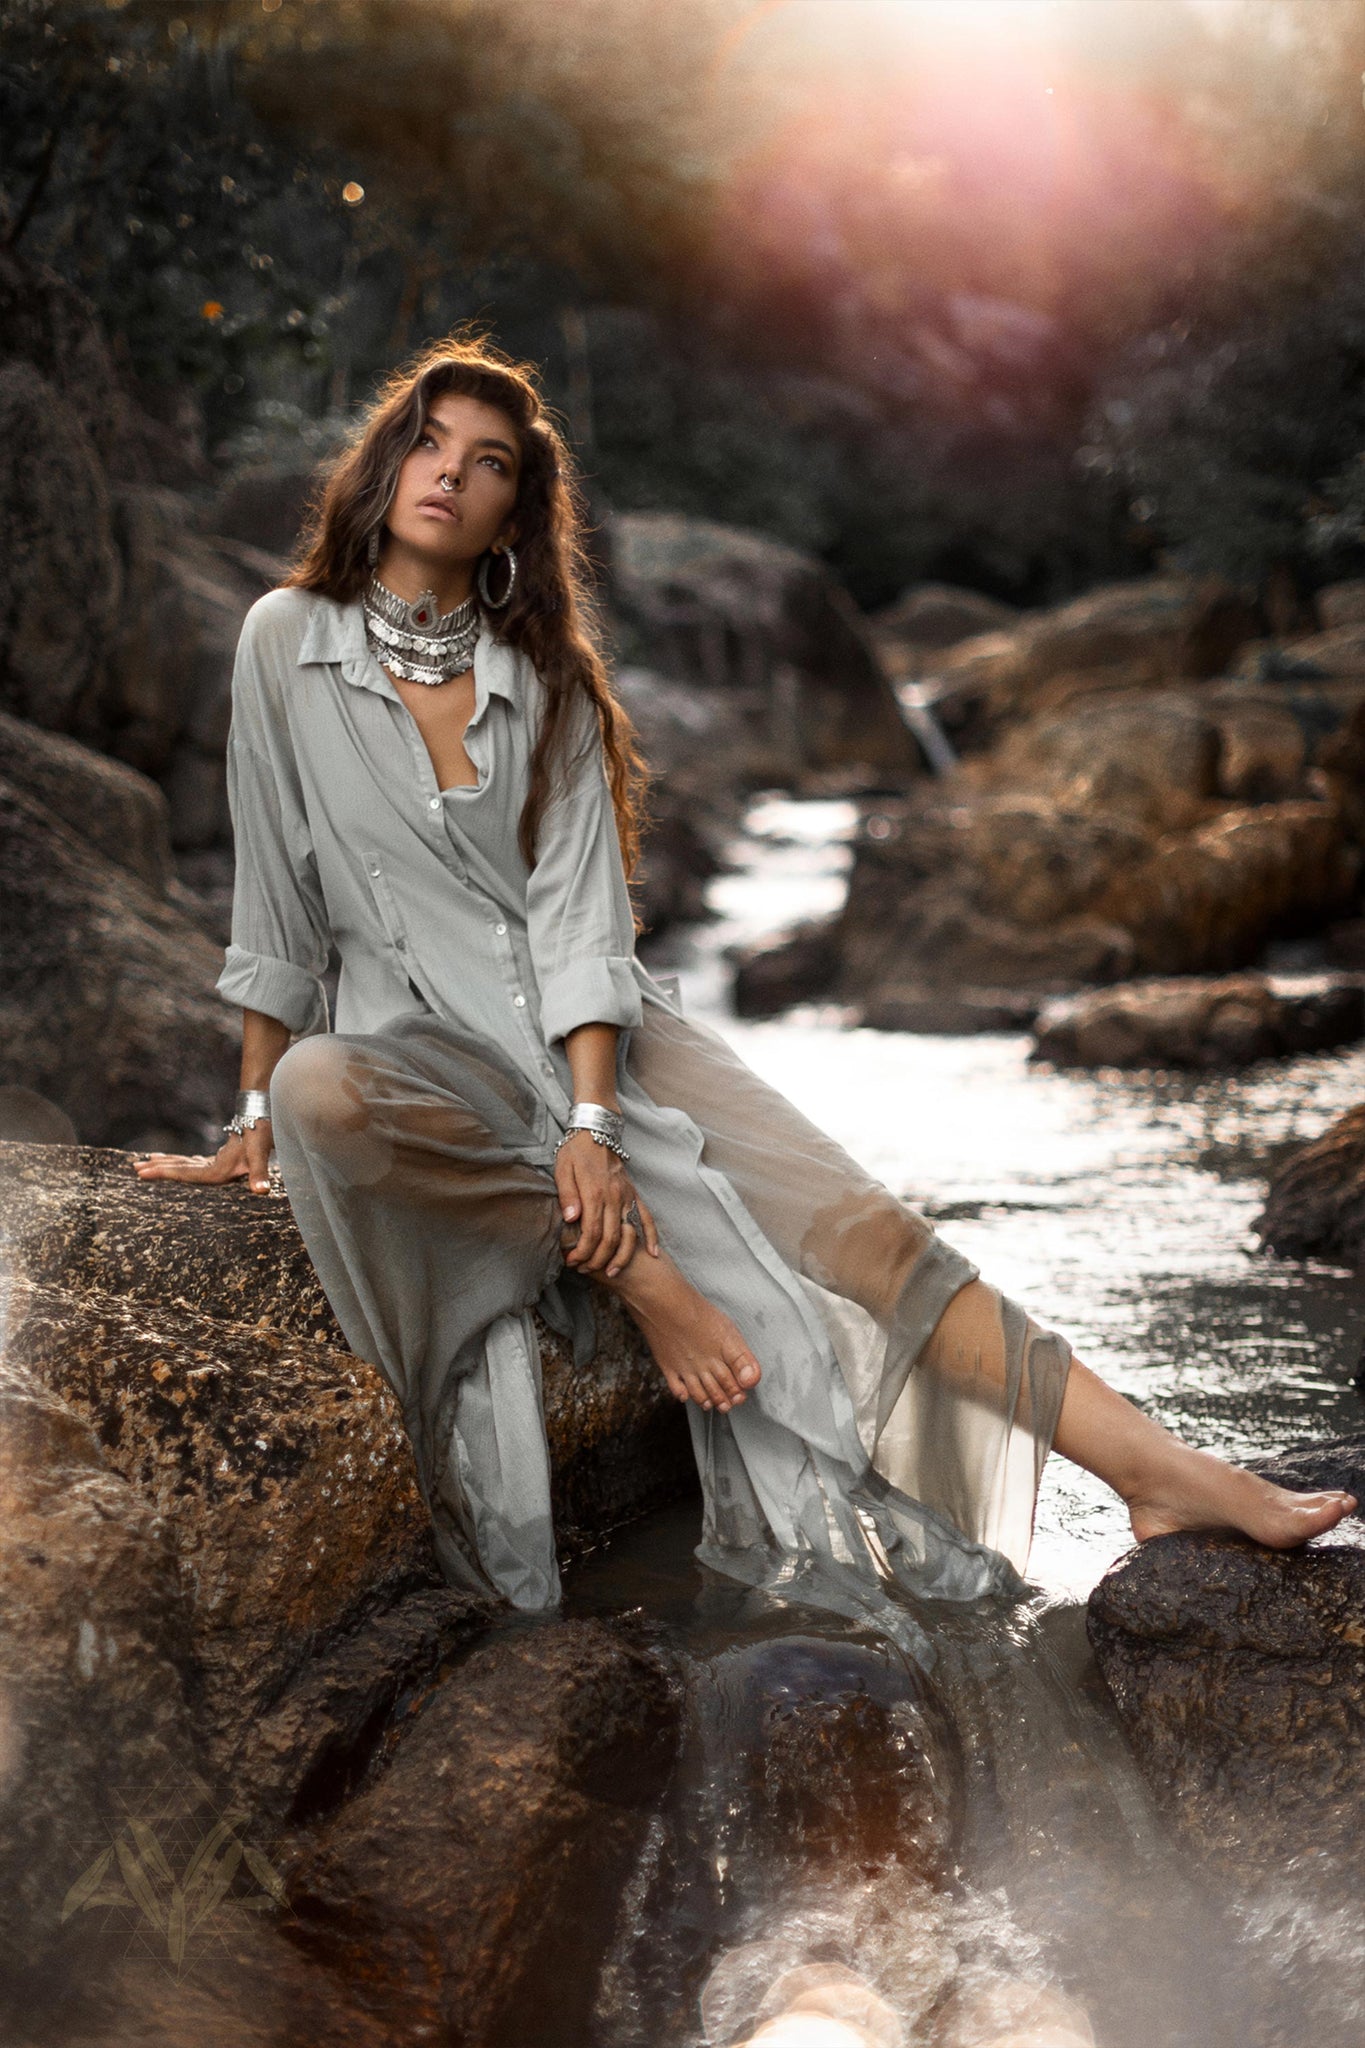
916,700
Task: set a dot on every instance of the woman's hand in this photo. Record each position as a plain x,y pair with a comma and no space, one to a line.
595,1191
245,1157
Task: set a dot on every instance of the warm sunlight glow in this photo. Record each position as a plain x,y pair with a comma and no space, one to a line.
991,20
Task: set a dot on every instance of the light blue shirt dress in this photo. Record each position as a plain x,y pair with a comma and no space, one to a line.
863,1460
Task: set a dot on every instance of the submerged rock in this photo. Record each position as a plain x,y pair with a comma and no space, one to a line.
472,1888
1315,1206
1217,1024
1239,1676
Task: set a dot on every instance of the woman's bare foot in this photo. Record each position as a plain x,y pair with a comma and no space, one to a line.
1199,1491
696,1347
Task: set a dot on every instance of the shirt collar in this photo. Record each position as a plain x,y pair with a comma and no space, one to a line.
336,632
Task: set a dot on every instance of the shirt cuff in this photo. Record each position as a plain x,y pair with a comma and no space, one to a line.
277,988
593,991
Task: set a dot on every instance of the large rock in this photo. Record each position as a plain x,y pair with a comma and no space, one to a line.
1129,635
1315,1205
1340,652
61,579
738,614
935,615
107,1006
186,1326
117,620
912,633
1211,898
116,811
485,1864
1239,1676
109,1805
1201,1023
225,1624
1002,892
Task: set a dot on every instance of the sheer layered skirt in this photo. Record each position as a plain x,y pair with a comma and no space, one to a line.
906,1407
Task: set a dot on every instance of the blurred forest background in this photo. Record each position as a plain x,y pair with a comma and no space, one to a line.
1014,300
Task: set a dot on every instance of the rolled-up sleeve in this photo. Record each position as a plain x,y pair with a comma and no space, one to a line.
580,924
280,935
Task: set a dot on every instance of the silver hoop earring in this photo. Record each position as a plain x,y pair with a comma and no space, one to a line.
497,604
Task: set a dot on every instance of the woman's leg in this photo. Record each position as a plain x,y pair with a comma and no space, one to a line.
847,1232
1165,1484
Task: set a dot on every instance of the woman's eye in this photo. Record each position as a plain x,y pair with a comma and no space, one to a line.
497,462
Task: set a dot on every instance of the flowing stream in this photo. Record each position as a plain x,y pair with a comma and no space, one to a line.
1117,1208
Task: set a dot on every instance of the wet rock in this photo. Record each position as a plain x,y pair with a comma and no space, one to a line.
1215,1024
95,1663
747,618
848,1756
983,893
1092,846
1315,1205
108,1005
472,1888
794,967
1239,1676
280,1469
106,1798
186,1327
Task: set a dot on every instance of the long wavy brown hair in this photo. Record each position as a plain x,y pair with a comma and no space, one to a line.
553,616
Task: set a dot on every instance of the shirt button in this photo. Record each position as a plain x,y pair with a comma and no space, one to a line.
433,803
374,867
401,944
500,929
520,1002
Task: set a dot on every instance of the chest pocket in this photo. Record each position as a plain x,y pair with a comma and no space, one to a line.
386,902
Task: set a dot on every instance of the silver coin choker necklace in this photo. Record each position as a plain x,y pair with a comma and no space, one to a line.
412,641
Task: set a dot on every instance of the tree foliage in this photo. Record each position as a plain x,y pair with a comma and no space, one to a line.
923,309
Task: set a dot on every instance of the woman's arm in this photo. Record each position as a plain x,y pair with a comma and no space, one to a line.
246,1157
593,1183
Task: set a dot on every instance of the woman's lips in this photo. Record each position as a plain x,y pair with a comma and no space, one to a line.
441,511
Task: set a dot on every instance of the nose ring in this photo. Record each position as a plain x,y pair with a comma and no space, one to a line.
446,484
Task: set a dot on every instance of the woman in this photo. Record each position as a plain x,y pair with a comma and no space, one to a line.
426,766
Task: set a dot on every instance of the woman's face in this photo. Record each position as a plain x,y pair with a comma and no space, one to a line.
475,446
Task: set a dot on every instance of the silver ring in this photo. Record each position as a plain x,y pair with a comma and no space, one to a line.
632,1217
